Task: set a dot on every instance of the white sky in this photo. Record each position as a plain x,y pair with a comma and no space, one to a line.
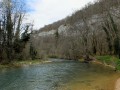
48,11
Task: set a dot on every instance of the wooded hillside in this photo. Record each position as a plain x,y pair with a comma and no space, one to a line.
93,30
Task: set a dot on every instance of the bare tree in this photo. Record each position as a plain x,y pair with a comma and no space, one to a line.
12,15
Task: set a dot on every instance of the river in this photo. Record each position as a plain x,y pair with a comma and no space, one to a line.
58,75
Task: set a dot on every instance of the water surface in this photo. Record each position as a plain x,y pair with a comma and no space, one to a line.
58,75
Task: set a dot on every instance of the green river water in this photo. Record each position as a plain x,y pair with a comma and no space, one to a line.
58,75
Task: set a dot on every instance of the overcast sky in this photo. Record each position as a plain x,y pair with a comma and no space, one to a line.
44,12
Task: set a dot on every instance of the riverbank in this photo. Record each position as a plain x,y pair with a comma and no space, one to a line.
106,61
112,62
15,64
116,81
103,64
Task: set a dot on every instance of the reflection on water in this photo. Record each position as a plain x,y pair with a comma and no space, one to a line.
58,75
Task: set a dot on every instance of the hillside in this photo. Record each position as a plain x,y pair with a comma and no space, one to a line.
90,10
93,30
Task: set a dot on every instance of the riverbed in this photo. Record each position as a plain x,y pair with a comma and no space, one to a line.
58,74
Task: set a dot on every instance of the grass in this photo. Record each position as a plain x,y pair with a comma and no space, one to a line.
109,60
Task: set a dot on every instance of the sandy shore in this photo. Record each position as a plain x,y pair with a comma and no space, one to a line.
117,87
